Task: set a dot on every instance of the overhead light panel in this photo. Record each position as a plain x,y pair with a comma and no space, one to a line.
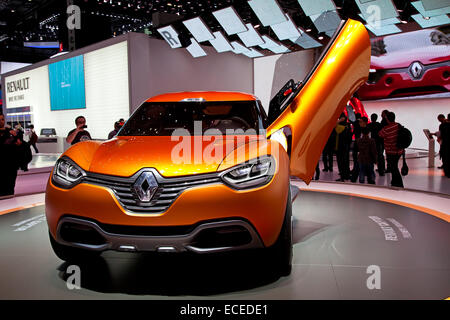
220,43
195,49
268,43
198,29
230,20
238,48
171,36
316,6
383,30
326,21
279,49
252,53
273,46
305,41
384,22
434,4
268,11
369,9
310,45
431,13
285,30
432,21
251,37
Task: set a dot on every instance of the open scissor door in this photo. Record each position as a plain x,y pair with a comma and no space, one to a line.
310,109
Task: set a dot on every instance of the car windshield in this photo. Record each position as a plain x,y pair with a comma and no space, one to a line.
163,118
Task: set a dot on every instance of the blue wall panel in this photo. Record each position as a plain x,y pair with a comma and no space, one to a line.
67,90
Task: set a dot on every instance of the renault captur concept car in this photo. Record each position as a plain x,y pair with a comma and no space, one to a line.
409,64
174,179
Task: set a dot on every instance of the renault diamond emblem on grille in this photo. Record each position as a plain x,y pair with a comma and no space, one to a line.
416,70
145,186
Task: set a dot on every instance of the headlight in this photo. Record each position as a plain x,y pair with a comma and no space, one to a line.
66,173
252,174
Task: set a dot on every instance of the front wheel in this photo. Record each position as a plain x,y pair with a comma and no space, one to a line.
280,253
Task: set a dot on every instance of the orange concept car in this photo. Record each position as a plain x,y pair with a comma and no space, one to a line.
204,172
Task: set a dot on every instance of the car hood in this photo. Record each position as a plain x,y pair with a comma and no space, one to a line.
124,156
404,58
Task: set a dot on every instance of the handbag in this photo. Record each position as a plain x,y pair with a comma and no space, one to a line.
405,168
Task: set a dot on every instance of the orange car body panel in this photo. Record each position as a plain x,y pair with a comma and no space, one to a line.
312,114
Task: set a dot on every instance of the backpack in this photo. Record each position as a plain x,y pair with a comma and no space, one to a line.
404,137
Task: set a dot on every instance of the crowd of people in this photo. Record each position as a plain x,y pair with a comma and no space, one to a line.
369,142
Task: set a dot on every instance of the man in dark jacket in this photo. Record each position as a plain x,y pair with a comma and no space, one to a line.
444,137
374,128
390,135
367,156
9,163
342,148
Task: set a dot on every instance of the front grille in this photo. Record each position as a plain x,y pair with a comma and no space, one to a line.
164,196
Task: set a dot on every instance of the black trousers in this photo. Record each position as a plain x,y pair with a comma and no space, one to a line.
327,158
35,148
355,158
380,159
392,163
445,155
8,182
343,160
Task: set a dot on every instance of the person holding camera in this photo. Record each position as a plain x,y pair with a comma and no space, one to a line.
10,158
79,133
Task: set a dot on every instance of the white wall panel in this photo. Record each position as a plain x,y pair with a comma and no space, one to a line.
107,96
34,95
107,99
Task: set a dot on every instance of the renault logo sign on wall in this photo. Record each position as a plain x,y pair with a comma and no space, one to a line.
145,186
416,70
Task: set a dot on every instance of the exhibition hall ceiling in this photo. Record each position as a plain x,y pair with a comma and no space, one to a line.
33,30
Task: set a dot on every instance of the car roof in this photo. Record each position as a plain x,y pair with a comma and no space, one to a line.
206,95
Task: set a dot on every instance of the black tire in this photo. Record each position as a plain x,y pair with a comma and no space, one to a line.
72,254
280,253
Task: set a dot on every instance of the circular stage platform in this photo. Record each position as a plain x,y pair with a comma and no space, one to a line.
345,248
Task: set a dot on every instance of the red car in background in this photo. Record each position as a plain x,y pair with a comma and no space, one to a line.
355,106
408,64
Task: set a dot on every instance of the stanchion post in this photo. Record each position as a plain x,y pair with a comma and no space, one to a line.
431,151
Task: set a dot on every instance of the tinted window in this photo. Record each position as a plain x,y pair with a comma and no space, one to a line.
162,118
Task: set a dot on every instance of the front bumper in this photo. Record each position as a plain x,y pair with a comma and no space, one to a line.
392,83
260,211
207,237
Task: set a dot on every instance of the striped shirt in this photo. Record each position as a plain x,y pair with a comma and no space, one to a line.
390,133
